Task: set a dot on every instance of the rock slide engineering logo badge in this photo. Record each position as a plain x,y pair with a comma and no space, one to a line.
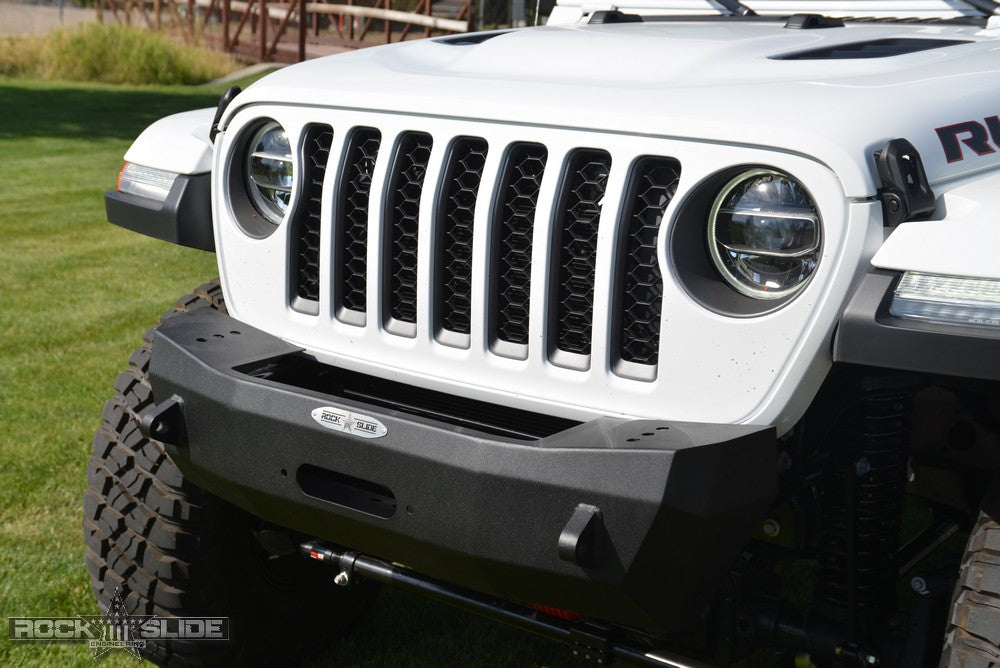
350,423
117,629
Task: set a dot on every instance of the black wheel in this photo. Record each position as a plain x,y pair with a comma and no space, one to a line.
972,639
174,550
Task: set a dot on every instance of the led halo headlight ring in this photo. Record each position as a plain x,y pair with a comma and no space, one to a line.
764,234
269,171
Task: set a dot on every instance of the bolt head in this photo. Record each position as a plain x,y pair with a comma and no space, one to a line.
863,466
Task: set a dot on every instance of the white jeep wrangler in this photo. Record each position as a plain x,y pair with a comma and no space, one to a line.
670,331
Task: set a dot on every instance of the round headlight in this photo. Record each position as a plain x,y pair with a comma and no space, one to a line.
270,172
764,234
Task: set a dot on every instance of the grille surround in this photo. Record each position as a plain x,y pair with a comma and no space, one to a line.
254,269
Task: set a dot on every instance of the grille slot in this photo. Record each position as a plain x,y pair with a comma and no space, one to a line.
640,283
575,251
453,253
402,212
514,220
351,264
306,236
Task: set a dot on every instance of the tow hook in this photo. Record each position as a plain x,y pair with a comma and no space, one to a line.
164,422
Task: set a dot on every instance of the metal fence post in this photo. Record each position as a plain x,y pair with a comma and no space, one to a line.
302,30
263,30
225,25
388,23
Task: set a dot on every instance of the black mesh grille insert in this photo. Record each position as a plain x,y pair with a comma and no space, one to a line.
651,187
514,222
402,211
456,212
352,205
305,254
575,247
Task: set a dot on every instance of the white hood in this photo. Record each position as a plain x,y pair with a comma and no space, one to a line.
715,81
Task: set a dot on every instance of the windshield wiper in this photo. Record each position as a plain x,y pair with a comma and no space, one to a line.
987,7
737,8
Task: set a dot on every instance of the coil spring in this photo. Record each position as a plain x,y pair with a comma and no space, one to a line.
862,506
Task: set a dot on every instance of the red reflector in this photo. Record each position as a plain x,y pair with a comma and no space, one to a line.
558,613
316,555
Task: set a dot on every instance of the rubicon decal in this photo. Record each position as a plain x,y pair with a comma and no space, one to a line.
973,134
350,423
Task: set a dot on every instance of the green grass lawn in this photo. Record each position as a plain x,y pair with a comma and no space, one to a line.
76,294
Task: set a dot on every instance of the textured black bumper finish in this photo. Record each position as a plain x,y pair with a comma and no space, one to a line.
868,334
677,500
184,218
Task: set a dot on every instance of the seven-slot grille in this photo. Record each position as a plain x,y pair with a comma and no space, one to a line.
581,181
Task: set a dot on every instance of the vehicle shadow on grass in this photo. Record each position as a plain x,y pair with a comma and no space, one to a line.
75,111
405,629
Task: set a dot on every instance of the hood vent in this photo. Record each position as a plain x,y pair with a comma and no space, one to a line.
470,40
879,48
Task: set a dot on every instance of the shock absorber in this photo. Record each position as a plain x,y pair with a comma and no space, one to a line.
862,505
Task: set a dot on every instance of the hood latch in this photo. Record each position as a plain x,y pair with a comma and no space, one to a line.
905,193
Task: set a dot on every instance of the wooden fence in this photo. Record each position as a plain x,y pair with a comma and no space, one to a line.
264,30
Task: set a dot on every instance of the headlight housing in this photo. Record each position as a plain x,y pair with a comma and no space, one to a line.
764,234
270,171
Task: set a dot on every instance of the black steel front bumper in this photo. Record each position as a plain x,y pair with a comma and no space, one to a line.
631,521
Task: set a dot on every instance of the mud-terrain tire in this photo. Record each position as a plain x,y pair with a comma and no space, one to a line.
174,550
972,639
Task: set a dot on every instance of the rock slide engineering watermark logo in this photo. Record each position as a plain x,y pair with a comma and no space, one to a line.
117,629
